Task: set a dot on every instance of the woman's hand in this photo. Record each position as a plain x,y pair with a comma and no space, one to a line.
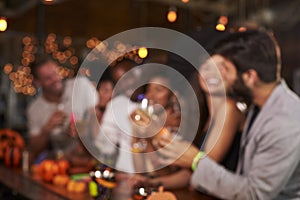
145,125
173,118
138,181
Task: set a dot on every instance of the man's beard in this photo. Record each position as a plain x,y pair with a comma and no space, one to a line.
240,92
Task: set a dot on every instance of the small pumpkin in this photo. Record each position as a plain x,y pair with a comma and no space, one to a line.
11,147
63,166
61,180
13,156
161,195
76,186
48,170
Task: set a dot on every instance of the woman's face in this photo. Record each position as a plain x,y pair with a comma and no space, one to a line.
105,91
157,92
216,75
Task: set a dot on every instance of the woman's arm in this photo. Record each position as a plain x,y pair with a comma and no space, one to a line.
179,179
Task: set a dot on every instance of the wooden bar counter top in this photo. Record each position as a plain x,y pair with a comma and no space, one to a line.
29,187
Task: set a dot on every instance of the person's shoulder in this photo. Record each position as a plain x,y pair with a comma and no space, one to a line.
81,79
285,96
78,80
36,102
122,102
121,99
231,107
69,82
287,102
284,109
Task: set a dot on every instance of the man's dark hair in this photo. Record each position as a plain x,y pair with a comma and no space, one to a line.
125,64
40,61
252,49
106,77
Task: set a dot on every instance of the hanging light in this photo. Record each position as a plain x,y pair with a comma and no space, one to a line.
143,52
48,2
220,27
223,20
3,24
172,14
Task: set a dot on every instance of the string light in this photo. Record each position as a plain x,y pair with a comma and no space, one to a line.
67,41
8,68
61,50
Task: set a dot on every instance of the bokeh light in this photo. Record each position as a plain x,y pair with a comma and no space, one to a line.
223,20
67,41
220,27
3,24
242,29
61,50
8,68
143,52
172,16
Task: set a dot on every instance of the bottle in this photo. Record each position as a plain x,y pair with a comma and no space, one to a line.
102,182
93,187
106,183
25,161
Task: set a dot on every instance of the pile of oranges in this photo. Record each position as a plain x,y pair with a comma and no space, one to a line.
56,172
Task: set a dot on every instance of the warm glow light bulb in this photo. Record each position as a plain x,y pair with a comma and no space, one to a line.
172,15
185,1
143,52
3,24
48,1
223,20
242,29
220,27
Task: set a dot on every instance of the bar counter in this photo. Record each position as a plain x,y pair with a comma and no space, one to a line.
28,187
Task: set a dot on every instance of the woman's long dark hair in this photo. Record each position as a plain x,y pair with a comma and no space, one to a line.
202,108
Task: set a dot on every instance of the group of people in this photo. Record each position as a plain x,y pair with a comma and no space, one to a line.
246,144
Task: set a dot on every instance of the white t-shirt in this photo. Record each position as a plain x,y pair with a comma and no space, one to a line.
115,130
79,92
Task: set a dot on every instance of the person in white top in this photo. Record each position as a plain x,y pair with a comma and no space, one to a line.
50,113
114,140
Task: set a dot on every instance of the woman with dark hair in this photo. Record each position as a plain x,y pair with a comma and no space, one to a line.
221,121
226,115
166,117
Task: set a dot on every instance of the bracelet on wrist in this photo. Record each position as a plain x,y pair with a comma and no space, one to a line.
197,159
